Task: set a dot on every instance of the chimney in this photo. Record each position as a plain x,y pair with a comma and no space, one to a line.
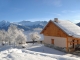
56,20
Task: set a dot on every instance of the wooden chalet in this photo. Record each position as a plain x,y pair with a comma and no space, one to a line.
63,34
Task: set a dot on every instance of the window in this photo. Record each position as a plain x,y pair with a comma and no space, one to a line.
52,41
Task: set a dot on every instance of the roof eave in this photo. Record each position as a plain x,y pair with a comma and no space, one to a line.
45,27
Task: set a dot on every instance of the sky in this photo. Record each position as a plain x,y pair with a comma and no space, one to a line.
39,10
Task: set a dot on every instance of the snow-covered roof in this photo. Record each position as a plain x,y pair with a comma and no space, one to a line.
68,27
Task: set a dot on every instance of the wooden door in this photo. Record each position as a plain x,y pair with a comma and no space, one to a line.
52,41
73,43
77,42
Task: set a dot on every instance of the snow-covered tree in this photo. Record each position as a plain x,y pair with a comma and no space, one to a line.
35,36
7,38
2,36
12,33
21,38
16,35
12,36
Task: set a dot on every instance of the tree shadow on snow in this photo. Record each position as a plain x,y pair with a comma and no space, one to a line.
2,48
44,49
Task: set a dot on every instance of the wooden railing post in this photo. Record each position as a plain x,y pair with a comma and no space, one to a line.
67,47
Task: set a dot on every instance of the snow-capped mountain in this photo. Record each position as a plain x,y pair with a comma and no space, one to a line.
78,24
29,23
26,25
4,24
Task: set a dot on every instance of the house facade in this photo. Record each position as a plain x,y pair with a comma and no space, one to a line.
64,34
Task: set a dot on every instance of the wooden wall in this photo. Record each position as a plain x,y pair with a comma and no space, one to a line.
53,30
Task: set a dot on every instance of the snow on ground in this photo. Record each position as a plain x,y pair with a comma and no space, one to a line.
34,52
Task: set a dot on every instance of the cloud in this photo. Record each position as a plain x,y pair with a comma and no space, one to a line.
70,11
56,3
58,14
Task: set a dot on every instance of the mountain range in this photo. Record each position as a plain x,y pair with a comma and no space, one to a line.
26,25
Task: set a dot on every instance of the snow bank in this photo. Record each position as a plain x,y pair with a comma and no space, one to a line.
35,53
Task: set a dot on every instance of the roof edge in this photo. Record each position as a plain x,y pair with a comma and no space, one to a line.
45,27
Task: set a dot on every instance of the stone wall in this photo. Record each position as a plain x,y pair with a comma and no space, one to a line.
63,49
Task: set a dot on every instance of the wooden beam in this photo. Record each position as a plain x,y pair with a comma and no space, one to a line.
74,44
76,38
67,47
45,27
71,42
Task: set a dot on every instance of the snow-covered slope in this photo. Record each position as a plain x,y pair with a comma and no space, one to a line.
35,52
